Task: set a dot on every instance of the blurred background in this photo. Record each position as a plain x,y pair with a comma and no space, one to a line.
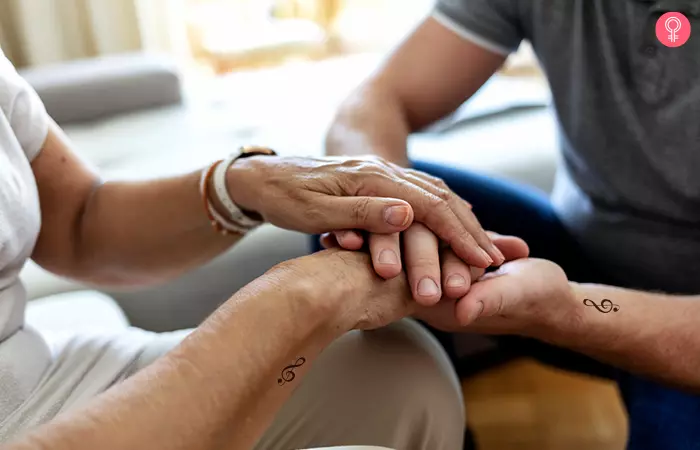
223,35
152,87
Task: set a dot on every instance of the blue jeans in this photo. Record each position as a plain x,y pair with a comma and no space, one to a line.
660,417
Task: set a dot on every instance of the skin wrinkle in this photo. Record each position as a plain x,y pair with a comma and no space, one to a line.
360,211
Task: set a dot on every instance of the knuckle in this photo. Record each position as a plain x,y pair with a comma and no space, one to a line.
380,161
432,179
361,210
377,184
350,163
437,203
444,194
437,182
366,165
440,183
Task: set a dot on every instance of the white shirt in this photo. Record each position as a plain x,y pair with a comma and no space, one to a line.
37,382
23,128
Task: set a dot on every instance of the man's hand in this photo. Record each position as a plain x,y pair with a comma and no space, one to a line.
432,274
522,297
323,195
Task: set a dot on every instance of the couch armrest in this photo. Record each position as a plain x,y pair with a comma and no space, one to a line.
90,89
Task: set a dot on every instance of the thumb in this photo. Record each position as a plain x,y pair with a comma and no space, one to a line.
493,295
373,214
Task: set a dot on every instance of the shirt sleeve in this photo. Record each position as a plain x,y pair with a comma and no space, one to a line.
491,24
23,109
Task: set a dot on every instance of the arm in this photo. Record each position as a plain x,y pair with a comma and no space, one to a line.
125,233
118,233
193,398
417,86
655,335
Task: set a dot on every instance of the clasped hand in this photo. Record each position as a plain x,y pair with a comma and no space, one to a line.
445,249
522,296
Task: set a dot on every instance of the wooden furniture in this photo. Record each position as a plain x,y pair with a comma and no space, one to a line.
524,405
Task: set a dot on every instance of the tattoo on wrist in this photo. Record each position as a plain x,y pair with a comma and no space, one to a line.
288,374
606,306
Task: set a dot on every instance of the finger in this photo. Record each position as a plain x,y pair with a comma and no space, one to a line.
463,211
373,214
386,254
512,247
349,239
487,298
422,259
476,273
456,276
328,241
437,215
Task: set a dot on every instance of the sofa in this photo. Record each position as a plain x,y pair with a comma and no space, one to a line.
136,116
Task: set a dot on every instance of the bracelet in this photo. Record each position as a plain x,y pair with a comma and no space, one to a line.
218,222
237,216
238,221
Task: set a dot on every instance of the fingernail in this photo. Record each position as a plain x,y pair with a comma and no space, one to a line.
456,281
388,257
487,256
427,288
499,254
397,215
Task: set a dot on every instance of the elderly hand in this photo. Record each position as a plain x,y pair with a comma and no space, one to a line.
323,195
432,274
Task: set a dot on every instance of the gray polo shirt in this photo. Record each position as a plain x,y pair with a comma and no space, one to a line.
628,186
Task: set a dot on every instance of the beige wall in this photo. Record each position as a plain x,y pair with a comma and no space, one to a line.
7,30
46,31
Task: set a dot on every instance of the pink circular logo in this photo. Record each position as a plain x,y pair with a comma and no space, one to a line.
673,29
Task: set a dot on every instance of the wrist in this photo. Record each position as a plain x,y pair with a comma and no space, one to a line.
564,323
312,296
244,182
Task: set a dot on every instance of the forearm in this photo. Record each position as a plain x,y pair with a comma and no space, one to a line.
118,233
654,335
143,232
218,389
415,87
372,120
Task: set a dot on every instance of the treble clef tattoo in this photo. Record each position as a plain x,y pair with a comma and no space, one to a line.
288,374
606,306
